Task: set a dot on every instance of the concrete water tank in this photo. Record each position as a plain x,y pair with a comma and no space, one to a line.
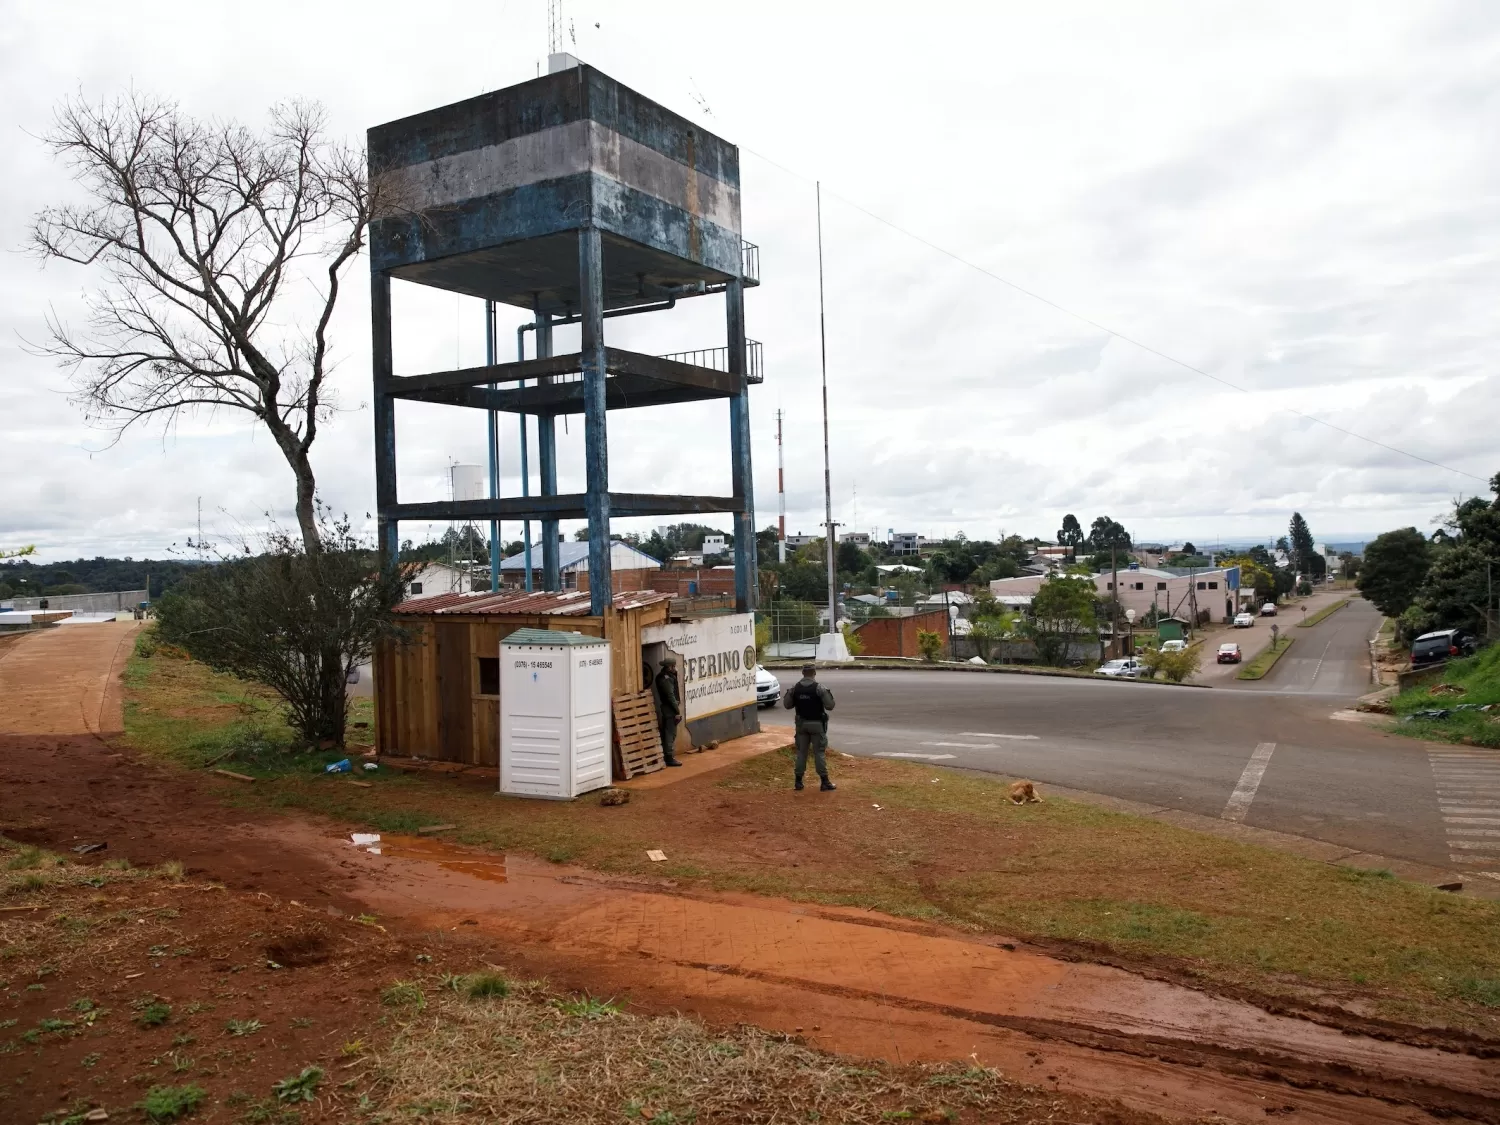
555,717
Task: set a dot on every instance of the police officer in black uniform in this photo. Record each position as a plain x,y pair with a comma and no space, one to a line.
812,702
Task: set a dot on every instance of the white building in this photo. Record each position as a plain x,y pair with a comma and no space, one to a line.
714,545
860,539
440,578
904,542
1142,588
572,560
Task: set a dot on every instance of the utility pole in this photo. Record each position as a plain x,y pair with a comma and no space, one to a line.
829,525
1114,586
780,495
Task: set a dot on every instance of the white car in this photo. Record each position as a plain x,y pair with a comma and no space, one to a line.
1128,667
1244,620
1173,646
1268,610
767,688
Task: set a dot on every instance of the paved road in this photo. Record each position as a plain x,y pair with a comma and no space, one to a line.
1184,747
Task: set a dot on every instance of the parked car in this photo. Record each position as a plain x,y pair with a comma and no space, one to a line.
767,688
1173,646
1268,610
1229,653
1128,667
1444,644
1244,620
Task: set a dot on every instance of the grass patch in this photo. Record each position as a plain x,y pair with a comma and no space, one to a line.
482,986
1477,684
170,1103
1326,611
1266,659
1223,911
530,1060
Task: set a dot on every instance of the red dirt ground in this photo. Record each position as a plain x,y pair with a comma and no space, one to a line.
849,981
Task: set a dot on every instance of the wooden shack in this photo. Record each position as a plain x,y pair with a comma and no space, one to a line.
437,692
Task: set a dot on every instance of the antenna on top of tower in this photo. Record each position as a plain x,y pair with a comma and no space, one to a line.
554,26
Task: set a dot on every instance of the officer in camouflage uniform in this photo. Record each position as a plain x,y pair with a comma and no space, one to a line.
668,708
812,702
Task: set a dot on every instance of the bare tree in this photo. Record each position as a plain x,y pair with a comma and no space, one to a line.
212,239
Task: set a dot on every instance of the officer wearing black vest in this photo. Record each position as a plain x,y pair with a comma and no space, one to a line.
812,702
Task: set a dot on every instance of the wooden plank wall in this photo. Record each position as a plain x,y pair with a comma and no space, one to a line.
427,699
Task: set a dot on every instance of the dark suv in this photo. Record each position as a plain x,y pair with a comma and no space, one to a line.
1445,644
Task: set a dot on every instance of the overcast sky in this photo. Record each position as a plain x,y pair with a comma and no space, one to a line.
1303,200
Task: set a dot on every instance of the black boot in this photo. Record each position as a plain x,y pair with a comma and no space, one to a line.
798,785
827,786
673,762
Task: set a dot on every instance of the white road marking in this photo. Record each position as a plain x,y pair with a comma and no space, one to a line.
964,745
987,734
1468,793
1244,792
924,757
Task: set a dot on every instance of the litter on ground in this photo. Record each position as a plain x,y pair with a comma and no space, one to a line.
656,855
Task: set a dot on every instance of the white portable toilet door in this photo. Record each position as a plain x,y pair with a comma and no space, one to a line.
535,702
592,719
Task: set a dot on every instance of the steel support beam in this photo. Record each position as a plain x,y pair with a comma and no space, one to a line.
569,506
595,425
387,531
546,449
745,582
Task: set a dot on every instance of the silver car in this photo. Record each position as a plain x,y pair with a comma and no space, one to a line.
767,688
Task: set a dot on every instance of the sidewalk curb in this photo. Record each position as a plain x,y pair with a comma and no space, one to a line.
962,666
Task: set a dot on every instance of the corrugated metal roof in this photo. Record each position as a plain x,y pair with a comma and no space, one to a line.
572,603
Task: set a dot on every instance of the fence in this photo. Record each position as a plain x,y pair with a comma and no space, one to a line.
84,603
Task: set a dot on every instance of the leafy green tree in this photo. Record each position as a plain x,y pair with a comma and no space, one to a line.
295,618
1063,608
991,631
1302,543
1105,534
1395,565
1071,532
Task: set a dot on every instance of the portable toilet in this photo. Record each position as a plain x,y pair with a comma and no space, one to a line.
555,717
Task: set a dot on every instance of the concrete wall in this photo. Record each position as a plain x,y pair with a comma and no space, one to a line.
111,602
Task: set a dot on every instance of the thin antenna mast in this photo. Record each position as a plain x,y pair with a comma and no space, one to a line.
200,529
829,525
780,495
554,26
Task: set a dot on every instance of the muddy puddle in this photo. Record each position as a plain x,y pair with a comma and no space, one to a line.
861,983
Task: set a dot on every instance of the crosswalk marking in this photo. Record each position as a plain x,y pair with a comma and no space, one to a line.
1239,801
1468,796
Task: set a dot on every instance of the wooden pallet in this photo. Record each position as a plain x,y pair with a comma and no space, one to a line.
637,735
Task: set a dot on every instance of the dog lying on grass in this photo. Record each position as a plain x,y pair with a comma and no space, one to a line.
1023,792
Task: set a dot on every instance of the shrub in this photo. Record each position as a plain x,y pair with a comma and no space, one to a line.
168,1103
929,644
298,621
852,639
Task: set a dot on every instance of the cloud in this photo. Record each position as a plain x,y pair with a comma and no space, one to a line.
1300,203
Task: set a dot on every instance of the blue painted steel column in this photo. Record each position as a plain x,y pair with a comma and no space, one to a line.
546,441
525,466
387,532
493,444
595,434
745,563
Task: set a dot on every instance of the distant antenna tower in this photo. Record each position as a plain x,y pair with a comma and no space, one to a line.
200,529
780,495
554,26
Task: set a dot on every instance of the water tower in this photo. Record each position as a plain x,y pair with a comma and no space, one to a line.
579,200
